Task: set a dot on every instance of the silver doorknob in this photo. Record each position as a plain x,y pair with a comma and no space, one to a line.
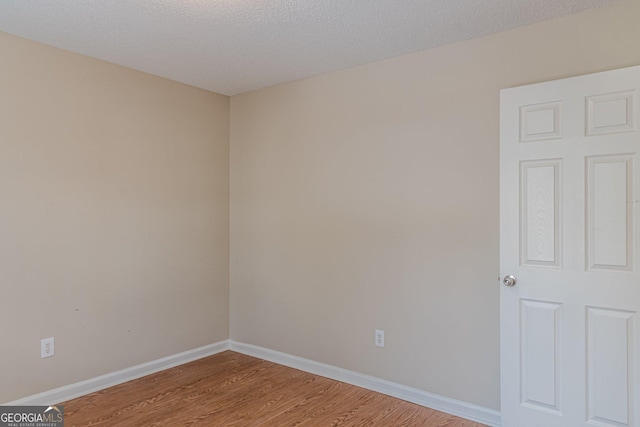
509,280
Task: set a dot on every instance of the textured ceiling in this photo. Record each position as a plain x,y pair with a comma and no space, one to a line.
233,46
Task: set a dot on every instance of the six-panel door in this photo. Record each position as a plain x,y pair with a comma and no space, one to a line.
569,234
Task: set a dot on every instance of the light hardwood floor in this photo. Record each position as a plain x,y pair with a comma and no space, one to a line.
231,389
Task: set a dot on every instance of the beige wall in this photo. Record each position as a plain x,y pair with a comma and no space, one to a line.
368,198
113,217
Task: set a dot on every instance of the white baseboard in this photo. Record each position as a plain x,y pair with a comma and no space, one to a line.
91,385
455,407
440,403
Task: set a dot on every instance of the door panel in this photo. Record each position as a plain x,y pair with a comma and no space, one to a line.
541,330
569,221
609,356
610,113
540,213
609,212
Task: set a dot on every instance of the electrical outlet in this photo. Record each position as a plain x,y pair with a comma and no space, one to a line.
47,347
379,338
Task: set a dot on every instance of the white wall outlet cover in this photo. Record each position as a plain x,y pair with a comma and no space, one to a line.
379,338
47,347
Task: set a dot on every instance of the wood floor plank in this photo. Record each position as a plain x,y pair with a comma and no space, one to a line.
235,390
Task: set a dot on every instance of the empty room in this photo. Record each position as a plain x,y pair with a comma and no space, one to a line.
320,213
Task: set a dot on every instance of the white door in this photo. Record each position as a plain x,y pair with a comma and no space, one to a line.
570,235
